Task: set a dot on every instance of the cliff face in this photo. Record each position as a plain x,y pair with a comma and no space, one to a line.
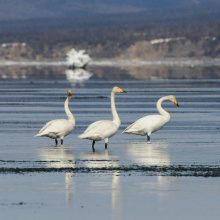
180,47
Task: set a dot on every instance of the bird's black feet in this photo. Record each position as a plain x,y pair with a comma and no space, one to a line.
106,145
56,141
93,143
61,141
148,138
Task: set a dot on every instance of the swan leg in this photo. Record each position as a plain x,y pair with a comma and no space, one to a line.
148,138
93,143
106,143
56,141
61,141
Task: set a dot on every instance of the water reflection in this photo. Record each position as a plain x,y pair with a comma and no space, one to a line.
32,72
117,197
77,75
107,73
69,183
163,185
57,157
104,159
148,153
61,157
99,159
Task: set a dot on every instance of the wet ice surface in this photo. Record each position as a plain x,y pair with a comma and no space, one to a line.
107,190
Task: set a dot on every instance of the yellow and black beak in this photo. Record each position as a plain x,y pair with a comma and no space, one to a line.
121,90
175,102
69,93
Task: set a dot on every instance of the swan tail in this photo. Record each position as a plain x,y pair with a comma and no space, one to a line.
132,130
126,131
38,135
82,136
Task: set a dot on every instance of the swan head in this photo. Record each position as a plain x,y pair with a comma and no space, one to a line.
117,90
173,99
69,94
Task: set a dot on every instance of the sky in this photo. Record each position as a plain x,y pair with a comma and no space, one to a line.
29,9
41,15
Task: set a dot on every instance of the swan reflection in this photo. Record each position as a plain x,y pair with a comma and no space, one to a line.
149,153
101,160
60,158
117,197
77,75
69,187
57,157
164,184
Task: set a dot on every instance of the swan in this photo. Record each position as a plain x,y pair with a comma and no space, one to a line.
104,129
77,59
151,123
59,128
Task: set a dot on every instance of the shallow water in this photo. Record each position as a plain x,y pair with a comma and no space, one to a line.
108,196
191,136
117,183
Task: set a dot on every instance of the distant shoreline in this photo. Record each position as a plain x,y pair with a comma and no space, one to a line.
123,63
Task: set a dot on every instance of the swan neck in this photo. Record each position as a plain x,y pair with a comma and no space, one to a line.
116,118
160,109
67,110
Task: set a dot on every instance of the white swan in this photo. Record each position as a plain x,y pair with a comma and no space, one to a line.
77,59
59,128
151,123
104,129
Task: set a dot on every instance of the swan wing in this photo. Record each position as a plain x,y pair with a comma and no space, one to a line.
100,130
93,125
105,129
46,126
150,123
57,127
135,128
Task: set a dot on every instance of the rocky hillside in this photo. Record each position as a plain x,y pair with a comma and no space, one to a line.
173,48
180,47
194,40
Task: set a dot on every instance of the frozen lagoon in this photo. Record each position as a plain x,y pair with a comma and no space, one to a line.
113,183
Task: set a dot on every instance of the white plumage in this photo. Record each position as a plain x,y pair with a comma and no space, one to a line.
77,59
151,123
104,129
59,128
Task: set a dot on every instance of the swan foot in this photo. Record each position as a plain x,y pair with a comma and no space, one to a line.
56,141
61,141
93,143
148,138
106,145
